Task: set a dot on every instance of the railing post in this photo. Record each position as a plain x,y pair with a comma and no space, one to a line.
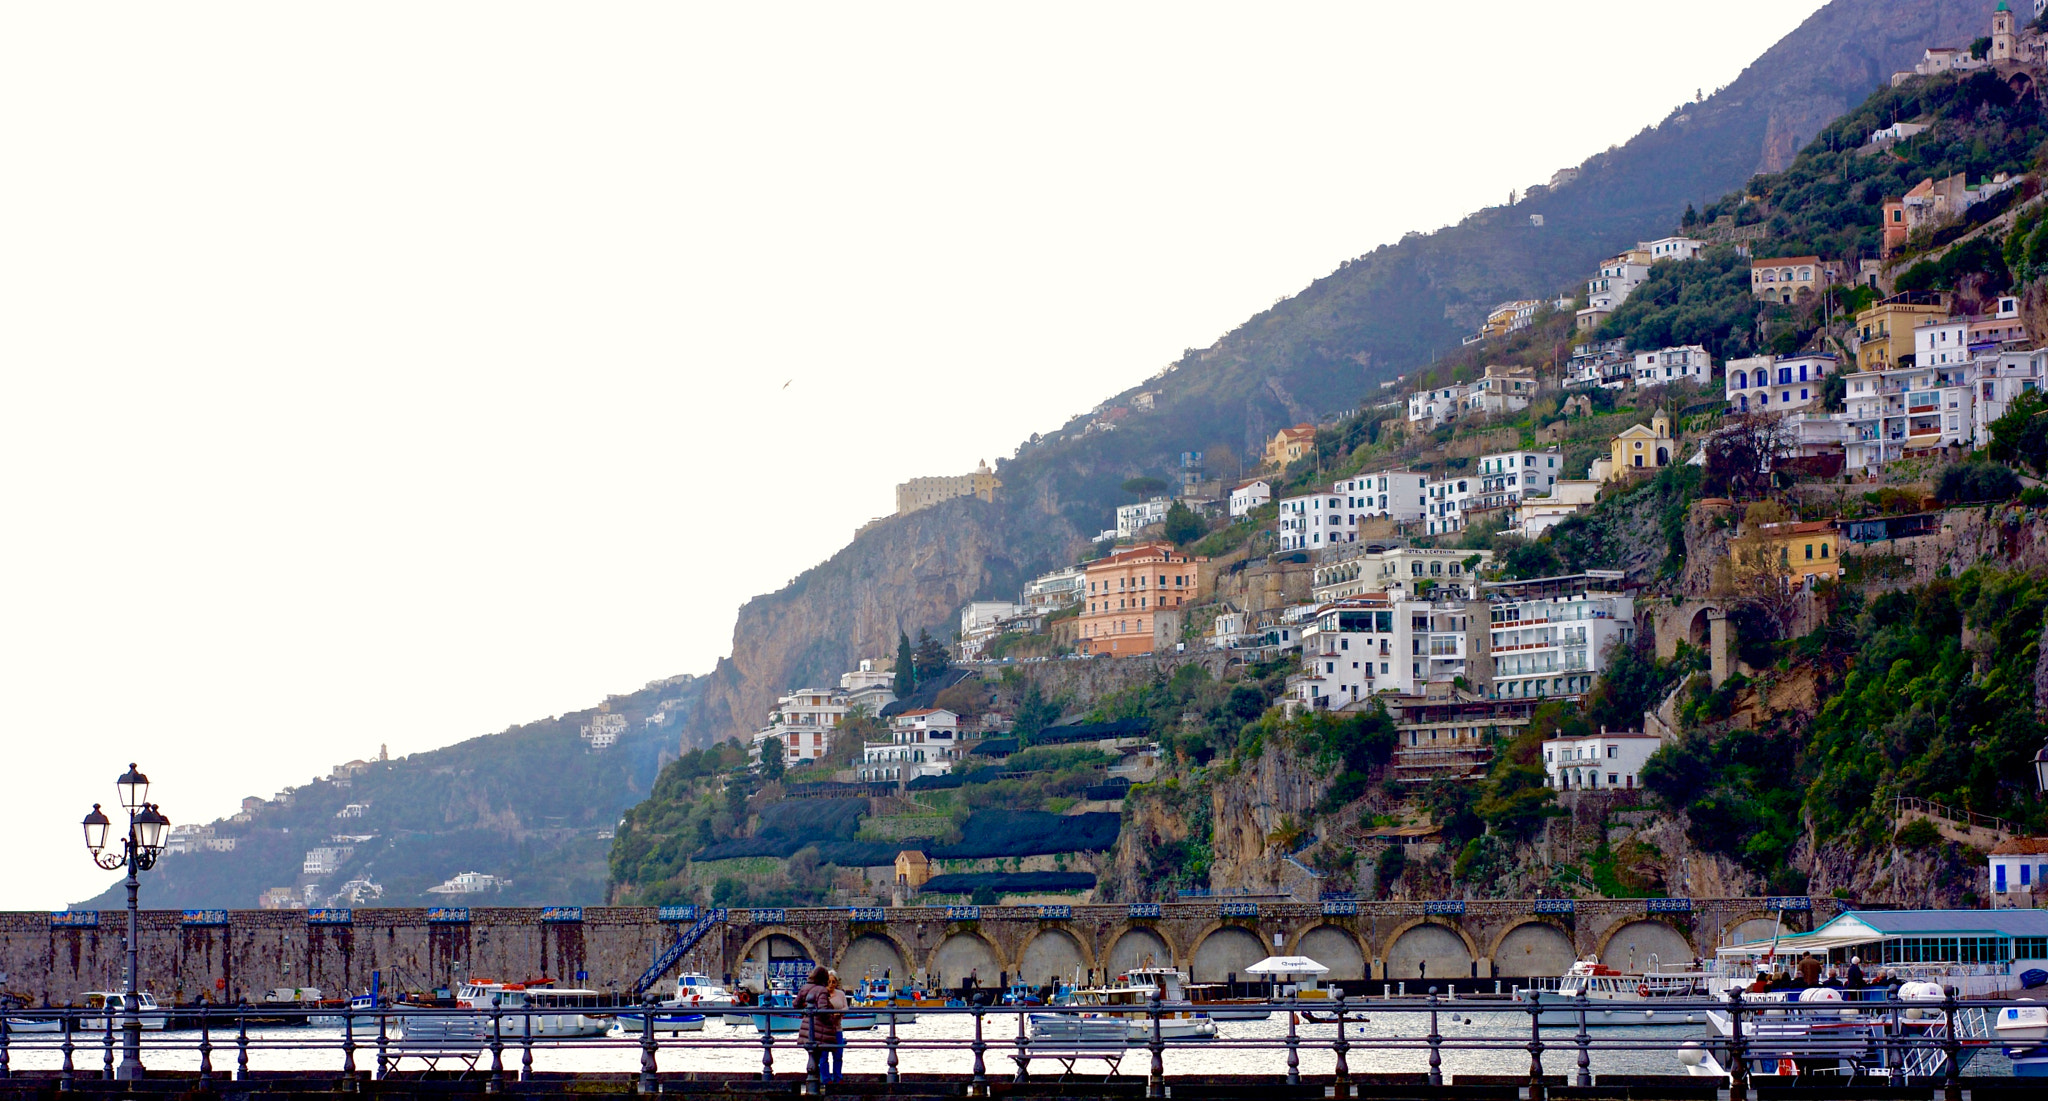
767,1045
814,1070
1023,1049
1155,1080
383,1041
1293,1050
1343,1048
1738,1054
496,1082
1952,1048
526,1047
205,1049
3,1045
242,1042
894,1078
1436,1044
650,1081
108,1072
348,1046
65,1075
979,1086
1585,1041
1535,1046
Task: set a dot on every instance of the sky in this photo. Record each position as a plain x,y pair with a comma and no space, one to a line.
389,374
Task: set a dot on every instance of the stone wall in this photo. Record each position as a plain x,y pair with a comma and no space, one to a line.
256,951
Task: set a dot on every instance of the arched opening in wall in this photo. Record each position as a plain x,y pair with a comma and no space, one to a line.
1532,949
779,955
1664,453
1758,928
1700,629
1226,952
1646,945
1335,949
2022,85
1137,947
1054,957
963,956
872,956
1427,950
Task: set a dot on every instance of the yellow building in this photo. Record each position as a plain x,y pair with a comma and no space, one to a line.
1637,448
913,868
1290,444
1810,552
923,493
1510,316
1886,329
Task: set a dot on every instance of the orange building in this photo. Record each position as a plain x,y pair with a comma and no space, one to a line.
1125,593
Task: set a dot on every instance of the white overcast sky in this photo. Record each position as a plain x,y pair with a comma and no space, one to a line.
396,372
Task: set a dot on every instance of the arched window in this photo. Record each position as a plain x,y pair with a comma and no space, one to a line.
1742,380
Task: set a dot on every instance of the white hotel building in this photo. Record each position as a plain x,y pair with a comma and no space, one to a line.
1609,759
1775,384
1380,642
1548,637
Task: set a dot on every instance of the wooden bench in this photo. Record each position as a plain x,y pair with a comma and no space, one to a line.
1069,1040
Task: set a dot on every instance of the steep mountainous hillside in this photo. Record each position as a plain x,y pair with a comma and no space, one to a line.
532,806
1374,317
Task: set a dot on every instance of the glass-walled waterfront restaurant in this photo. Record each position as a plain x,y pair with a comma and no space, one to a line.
1979,952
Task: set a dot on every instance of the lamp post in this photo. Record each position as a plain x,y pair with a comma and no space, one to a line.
138,852
2041,769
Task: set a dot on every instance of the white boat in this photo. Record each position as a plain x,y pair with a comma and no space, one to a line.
1132,999
1822,1031
695,988
37,1024
361,1017
145,1005
1623,998
564,1012
2022,1029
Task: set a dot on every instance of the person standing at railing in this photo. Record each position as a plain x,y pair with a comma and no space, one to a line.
1854,980
820,1029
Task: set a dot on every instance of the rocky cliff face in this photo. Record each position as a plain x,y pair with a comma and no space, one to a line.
1875,38
910,572
1254,812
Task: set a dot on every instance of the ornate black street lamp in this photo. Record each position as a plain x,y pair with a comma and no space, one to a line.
138,852
2041,769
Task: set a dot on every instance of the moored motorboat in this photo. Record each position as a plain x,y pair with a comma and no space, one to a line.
563,1012
1615,997
116,1003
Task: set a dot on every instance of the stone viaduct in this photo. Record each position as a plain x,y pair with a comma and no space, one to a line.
225,955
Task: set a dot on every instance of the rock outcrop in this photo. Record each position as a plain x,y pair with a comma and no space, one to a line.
909,573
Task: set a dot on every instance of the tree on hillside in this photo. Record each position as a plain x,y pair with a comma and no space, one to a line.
1144,488
1182,525
906,667
929,659
1034,713
1516,796
2021,436
1757,574
1742,456
772,754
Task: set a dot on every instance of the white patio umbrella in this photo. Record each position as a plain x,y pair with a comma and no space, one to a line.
1287,965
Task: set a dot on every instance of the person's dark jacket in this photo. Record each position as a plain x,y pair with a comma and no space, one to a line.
818,1028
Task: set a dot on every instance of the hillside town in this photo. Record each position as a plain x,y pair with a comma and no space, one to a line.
1659,495
1386,586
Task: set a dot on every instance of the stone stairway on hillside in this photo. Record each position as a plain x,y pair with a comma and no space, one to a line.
1979,831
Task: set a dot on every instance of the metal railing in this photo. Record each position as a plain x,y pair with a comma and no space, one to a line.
1873,1035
